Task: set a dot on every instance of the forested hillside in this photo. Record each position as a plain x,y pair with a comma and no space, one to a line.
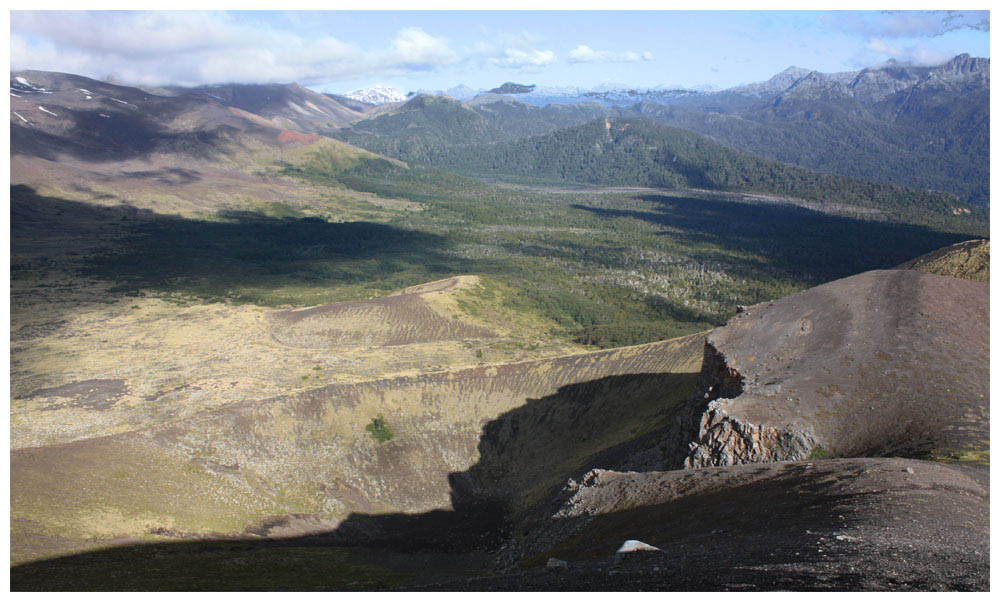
425,124
920,127
638,152
943,146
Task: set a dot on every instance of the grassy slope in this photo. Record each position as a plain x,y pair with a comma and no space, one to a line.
228,469
146,361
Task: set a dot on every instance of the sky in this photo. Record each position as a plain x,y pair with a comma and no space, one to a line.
340,51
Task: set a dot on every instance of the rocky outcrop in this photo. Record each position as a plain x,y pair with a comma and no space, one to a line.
724,441
704,434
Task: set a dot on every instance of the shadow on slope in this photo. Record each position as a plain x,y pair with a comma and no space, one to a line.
857,524
96,136
526,454
806,244
861,524
241,256
525,457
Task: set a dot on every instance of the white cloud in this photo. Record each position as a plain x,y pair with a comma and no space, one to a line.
190,48
876,45
132,33
520,59
923,55
917,54
512,51
906,24
586,54
415,47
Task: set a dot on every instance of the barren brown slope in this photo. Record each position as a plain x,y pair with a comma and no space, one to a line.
190,154
303,462
887,362
284,105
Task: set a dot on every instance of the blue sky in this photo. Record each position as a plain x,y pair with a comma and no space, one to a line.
342,51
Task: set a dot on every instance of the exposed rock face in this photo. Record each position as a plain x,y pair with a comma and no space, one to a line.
705,434
883,363
723,441
874,84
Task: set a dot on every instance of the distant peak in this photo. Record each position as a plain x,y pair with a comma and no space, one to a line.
513,88
423,99
965,65
965,58
809,77
377,94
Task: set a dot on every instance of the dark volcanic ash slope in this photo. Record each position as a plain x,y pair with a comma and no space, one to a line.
842,524
887,362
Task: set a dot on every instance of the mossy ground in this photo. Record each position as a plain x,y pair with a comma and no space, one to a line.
969,260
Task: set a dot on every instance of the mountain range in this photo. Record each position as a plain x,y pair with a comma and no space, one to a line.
924,127
870,84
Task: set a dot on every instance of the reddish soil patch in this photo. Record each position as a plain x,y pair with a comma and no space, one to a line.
289,138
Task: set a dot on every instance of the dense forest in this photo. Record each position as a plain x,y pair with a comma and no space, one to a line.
618,267
922,143
930,139
425,124
639,152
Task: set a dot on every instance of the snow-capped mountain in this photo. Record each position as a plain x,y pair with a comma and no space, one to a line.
868,85
377,95
461,92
